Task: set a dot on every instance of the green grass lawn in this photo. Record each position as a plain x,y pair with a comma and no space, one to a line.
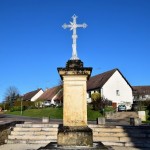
43,112
55,113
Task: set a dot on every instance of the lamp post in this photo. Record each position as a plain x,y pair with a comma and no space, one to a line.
21,105
4,105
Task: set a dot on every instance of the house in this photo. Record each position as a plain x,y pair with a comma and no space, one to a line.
52,96
113,86
141,93
33,95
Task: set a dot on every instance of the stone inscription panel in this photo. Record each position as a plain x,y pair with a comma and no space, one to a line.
75,105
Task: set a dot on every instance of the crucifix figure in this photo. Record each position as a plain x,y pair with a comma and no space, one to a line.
73,27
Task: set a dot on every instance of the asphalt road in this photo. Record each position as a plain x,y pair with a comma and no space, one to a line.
8,118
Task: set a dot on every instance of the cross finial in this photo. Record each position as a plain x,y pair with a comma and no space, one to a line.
73,26
74,16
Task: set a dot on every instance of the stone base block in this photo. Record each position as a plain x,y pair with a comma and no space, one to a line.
45,119
142,115
135,121
101,120
74,136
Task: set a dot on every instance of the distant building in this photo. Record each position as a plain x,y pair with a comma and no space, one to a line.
52,96
113,86
141,93
33,95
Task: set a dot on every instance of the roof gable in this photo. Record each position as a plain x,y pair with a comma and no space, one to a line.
29,95
98,81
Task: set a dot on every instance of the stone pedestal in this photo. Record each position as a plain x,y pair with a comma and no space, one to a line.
74,131
74,136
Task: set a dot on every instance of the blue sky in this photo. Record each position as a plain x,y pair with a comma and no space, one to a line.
33,43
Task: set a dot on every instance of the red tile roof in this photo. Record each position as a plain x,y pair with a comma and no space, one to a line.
50,93
142,90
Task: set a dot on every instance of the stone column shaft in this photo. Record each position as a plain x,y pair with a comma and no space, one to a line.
75,102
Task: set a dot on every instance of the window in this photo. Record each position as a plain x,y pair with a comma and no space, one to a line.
143,96
117,92
89,94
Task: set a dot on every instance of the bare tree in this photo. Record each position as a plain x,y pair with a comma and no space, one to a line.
11,95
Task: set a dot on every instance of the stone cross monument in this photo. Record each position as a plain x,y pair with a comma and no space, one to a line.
74,133
75,130
73,26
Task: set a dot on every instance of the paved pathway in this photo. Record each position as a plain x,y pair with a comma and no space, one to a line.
21,146
37,146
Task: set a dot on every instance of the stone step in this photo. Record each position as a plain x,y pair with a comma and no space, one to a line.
121,134
129,132
38,125
96,126
118,127
35,129
28,137
14,141
121,139
115,126
109,143
109,135
32,133
128,144
99,134
121,130
108,130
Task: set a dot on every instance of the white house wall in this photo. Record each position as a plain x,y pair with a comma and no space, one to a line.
117,82
52,101
36,96
89,100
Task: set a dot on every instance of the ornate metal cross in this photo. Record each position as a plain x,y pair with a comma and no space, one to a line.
73,27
